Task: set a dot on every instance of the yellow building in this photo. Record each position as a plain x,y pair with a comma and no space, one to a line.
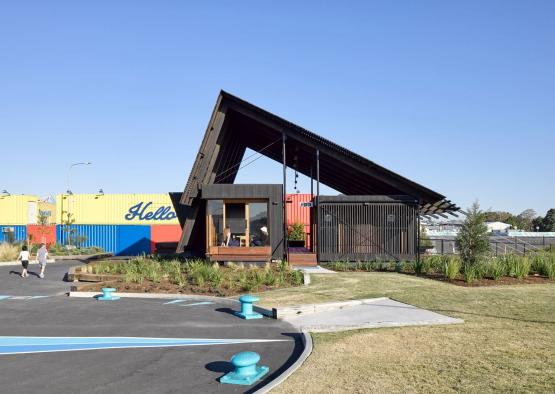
18,209
145,209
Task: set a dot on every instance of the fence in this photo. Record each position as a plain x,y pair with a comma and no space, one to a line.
366,229
498,245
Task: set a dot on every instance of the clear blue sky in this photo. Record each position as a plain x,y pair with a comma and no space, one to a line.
458,96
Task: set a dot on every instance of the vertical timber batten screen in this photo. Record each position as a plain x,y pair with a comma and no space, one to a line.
365,231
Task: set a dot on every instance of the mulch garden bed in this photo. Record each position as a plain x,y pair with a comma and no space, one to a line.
505,280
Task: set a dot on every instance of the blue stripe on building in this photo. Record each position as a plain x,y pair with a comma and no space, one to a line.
19,232
122,240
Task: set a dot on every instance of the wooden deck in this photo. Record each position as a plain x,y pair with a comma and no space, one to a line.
239,254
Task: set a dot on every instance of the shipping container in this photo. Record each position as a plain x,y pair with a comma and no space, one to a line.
124,209
298,210
45,211
41,234
17,209
133,240
16,233
164,234
103,236
121,240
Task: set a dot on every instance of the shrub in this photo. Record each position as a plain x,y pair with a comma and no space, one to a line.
426,263
544,264
436,264
367,266
472,240
517,266
297,277
8,252
418,266
270,278
547,267
296,232
471,273
340,265
495,268
451,267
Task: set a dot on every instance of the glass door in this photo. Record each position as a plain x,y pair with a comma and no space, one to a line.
236,224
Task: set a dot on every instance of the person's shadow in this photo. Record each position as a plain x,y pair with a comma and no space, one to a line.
18,273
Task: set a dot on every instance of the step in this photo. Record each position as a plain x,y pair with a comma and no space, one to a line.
304,259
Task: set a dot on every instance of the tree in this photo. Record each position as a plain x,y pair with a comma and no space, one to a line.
43,220
497,216
67,222
549,220
537,224
473,241
425,241
525,219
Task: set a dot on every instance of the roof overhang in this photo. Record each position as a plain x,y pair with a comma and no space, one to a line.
236,125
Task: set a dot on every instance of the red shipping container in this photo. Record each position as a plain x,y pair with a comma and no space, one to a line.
162,233
295,213
38,234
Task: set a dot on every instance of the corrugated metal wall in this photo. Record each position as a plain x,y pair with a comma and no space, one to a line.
19,232
295,213
42,234
164,234
142,209
104,236
367,231
15,209
122,240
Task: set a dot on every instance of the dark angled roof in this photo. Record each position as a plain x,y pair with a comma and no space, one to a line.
236,125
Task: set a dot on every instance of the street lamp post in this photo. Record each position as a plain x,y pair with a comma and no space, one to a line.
69,173
69,192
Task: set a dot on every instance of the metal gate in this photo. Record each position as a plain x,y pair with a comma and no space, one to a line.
365,228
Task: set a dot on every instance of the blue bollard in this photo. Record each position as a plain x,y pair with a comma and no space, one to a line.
107,294
246,371
246,308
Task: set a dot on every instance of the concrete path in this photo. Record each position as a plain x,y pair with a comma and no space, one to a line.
372,314
314,270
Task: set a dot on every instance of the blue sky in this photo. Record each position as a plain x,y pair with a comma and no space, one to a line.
459,97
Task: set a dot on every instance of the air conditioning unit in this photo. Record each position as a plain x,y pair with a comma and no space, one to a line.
8,229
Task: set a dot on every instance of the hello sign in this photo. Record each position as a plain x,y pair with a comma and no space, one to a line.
141,211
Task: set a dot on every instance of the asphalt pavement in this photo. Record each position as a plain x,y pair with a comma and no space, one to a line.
35,308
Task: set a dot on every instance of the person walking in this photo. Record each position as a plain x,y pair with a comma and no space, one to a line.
24,257
42,255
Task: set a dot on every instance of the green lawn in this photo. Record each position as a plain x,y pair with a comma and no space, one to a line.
507,343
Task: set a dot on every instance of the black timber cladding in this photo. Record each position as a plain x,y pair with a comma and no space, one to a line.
236,125
367,228
272,193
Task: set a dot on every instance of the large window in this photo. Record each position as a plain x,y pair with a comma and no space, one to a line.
237,223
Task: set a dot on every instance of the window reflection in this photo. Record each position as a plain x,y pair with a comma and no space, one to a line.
215,213
258,224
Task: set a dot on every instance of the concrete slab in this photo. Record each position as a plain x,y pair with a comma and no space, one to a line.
314,270
371,314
